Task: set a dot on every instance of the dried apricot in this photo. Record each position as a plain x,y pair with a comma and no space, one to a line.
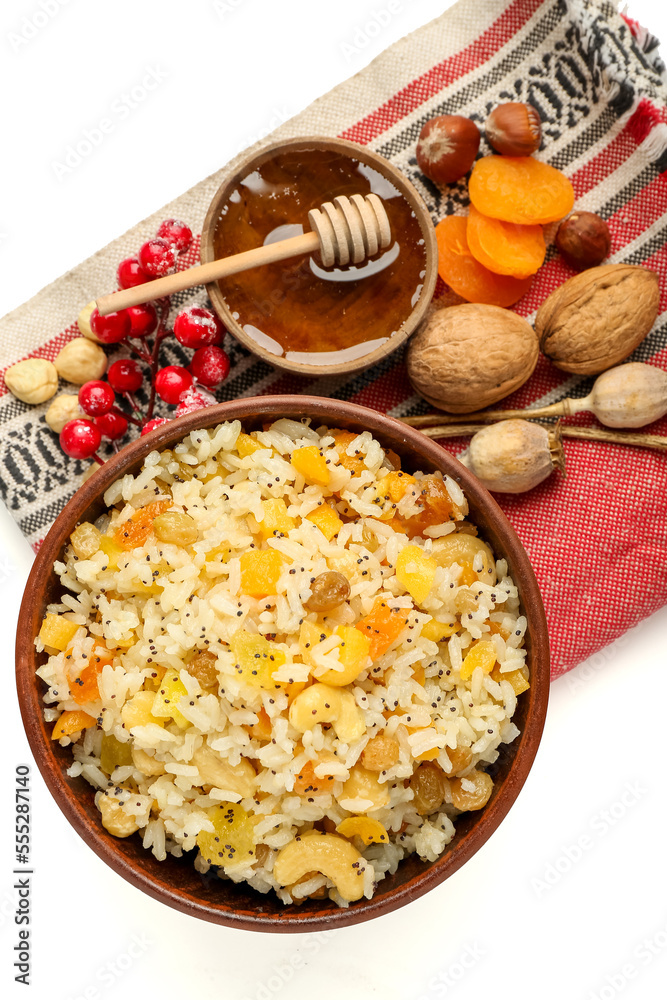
505,247
465,275
520,189
135,531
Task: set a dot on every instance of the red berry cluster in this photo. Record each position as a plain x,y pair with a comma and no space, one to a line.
195,328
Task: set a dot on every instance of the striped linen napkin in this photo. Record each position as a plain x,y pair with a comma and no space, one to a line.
598,539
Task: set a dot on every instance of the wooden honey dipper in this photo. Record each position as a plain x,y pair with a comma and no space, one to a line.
344,231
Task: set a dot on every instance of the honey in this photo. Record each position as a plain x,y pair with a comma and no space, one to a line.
297,309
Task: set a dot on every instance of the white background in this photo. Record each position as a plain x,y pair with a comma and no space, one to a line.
567,899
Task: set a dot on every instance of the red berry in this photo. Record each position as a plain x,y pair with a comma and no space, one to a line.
157,257
125,375
112,328
143,319
96,398
197,327
80,438
210,365
171,381
130,273
177,233
152,424
112,425
193,399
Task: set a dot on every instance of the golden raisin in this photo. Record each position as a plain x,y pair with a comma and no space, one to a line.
381,753
328,591
204,667
176,527
428,783
466,799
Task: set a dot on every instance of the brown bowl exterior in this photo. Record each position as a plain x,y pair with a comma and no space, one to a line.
411,195
175,881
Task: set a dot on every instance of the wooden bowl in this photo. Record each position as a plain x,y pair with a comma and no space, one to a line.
175,881
359,310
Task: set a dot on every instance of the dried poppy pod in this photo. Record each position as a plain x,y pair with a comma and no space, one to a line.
514,456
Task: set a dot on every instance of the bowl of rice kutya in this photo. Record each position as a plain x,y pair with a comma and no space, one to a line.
283,672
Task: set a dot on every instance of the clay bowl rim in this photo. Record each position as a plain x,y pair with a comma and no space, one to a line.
409,192
70,799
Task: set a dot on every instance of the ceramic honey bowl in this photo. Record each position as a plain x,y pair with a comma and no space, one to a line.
299,315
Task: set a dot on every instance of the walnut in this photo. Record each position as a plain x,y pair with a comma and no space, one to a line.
63,408
32,381
80,361
466,357
598,317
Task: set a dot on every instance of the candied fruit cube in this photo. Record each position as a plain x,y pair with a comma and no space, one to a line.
138,711
326,519
246,445
312,465
416,572
112,551
517,679
260,570
232,842
342,439
482,654
57,631
276,520
169,694
437,631
256,659
114,753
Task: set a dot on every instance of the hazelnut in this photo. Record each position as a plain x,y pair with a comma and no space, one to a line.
62,409
514,129
83,322
447,147
80,361
466,357
584,240
32,381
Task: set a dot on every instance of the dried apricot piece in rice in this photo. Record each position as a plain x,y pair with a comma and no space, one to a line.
71,722
465,275
505,247
135,531
520,189
382,626
370,830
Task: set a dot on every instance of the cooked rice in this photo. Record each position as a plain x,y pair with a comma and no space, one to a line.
166,602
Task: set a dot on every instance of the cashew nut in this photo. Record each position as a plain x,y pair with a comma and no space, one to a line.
322,703
146,764
334,857
80,361
461,548
114,819
32,381
363,792
213,770
83,322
